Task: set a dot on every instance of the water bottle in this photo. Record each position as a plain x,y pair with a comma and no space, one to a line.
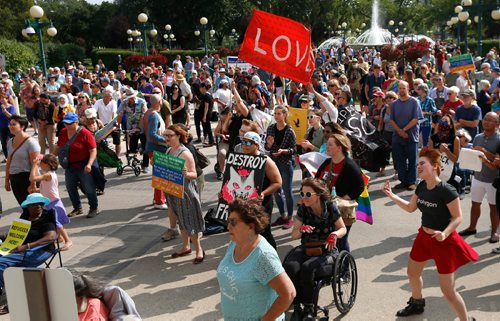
334,192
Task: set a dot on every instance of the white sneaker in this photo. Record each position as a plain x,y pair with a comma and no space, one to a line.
161,206
496,250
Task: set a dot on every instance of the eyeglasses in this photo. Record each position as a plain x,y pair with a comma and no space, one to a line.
247,143
233,222
311,117
307,194
81,97
175,88
170,135
330,86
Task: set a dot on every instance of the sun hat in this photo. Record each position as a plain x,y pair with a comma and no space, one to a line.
224,81
253,137
469,92
222,70
86,81
90,113
70,118
35,198
305,97
256,80
179,77
129,93
106,79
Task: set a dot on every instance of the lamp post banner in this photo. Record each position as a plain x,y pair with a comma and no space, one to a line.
278,45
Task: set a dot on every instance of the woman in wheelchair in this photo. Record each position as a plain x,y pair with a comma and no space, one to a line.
32,253
318,224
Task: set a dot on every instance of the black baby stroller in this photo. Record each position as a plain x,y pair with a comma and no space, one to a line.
132,161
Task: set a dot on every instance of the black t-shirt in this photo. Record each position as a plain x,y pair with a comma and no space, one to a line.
433,204
206,98
279,135
324,224
39,227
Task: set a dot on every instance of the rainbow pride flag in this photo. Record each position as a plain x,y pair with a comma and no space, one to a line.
364,209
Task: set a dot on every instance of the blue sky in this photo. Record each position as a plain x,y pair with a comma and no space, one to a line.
98,1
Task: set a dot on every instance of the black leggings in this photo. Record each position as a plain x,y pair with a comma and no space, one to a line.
303,270
20,183
134,143
268,207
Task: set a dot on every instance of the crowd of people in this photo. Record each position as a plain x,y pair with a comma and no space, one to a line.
419,106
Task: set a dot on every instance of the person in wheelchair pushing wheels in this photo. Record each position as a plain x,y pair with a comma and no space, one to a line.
318,224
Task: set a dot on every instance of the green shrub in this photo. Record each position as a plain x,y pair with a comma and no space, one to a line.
17,55
487,45
58,54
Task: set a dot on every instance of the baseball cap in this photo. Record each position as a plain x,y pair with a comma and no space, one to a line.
496,69
468,92
224,81
253,137
70,118
222,70
106,79
379,94
86,81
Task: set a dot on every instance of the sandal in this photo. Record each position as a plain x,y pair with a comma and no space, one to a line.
179,254
199,260
494,238
4,309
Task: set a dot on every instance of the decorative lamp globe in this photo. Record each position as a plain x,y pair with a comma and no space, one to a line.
391,22
153,32
454,20
469,22
130,39
23,32
467,3
233,30
463,16
203,20
36,12
400,23
212,32
344,25
172,36
30,31
142,18
458,9
52,31
197,33
495,14
168,27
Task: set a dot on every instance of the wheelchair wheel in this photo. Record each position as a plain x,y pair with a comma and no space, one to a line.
137,170
119,171
345,282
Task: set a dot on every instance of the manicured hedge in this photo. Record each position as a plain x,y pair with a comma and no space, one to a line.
17,55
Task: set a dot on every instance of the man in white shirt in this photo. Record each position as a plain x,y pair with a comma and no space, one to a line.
106,111
223,96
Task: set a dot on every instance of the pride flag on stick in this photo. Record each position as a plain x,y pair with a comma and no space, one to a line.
364,210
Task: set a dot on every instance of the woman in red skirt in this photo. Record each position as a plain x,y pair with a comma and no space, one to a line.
437,238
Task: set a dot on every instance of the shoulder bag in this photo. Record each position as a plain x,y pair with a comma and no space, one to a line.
63,154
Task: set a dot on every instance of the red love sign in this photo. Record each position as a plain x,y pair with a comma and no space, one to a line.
279,45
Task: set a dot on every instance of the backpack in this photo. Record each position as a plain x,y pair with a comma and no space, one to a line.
63,154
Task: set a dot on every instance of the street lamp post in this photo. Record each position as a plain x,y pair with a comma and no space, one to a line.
478,10
203,22
234,37
35,27
344,29
144,27
168,29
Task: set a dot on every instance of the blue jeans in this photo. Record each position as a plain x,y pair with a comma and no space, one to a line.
404,155
28,258
286,172
426,134
73,176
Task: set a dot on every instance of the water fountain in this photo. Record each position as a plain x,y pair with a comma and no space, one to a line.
373,37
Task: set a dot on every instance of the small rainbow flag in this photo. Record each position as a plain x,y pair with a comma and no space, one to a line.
364,209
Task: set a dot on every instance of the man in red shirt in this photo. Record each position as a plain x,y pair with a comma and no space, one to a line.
81,156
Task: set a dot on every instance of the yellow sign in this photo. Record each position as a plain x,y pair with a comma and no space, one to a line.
17,234
297,118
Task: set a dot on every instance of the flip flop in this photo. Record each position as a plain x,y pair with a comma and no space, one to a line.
467,232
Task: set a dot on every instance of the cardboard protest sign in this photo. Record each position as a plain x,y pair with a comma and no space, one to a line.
234,61
243,177
279,45
368,146
297,118
470,159
16,236
168,175
106,130
461,63
262,119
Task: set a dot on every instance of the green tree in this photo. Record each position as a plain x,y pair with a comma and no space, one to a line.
17,55
12,16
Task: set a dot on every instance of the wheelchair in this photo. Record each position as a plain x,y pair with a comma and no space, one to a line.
342,276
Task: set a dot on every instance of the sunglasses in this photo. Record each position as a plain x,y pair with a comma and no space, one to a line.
233,222
170,135
176,88
81,97
247,143
307,194
311,117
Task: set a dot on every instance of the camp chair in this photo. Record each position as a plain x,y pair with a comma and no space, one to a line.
120,304
56,251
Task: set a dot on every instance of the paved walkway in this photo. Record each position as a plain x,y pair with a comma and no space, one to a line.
123,246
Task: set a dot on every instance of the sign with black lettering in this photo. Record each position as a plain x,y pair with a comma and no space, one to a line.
243,178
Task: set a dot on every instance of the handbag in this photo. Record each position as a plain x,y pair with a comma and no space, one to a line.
313,248
63,154
347,209
203,161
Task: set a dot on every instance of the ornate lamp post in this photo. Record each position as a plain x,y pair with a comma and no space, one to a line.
478,10
35,27
166,36
144,27
344,30
203,22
